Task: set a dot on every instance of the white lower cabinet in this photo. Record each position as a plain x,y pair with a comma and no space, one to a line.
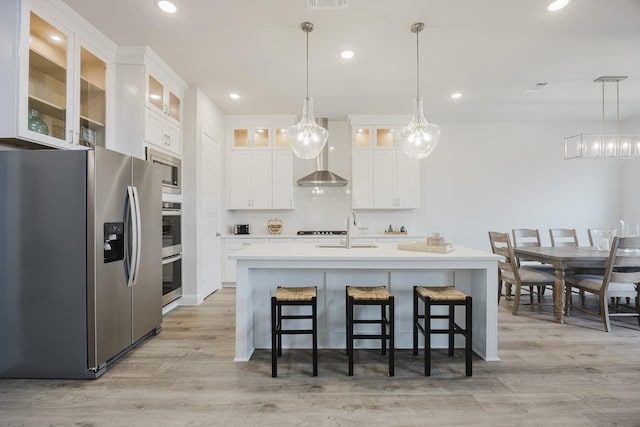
229,265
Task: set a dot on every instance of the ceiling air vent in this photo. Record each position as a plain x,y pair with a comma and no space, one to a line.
536,87
327,4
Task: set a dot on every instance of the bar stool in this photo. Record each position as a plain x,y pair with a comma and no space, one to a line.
371,295
286,296
450,297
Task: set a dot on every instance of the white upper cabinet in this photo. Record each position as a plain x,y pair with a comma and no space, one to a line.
149,103
383,177
65,81
260,172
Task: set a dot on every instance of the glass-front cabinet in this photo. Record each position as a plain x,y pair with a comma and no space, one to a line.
48,80
162,98
93,99
64,83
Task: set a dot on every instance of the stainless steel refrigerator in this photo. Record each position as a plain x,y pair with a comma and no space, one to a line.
80,260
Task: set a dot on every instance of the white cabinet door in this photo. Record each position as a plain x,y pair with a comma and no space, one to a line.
362,179
283,178
153,128
383,179
173,138
250,180
261,180
407,181
239,180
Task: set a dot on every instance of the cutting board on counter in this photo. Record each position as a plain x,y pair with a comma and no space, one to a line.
443,248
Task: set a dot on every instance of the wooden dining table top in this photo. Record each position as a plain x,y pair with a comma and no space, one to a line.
549,254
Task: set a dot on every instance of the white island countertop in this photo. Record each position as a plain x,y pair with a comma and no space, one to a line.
263,267
383,252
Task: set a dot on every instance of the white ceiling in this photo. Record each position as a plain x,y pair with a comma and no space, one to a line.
490,50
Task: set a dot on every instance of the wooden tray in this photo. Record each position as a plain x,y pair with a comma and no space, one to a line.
396,232
424,247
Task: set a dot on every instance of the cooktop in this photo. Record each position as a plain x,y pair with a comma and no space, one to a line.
321,233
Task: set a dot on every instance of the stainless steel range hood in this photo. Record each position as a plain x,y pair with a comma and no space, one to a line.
322,177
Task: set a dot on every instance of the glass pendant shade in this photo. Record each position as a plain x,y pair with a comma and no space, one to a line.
306,138
419,137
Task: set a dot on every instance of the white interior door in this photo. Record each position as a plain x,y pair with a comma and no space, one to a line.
210,214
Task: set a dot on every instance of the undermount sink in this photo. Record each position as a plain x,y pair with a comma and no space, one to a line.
344,245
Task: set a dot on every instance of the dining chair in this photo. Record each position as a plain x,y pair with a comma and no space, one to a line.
523,237
513,274
621,278
566,237
590,234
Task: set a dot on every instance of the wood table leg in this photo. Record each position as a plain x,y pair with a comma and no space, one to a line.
558,299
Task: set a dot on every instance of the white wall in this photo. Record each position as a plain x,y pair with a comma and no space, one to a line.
482,176
630,181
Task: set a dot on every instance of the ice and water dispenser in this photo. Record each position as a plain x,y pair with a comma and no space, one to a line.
113,241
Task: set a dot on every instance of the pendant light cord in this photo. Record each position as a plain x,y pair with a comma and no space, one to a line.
417,65
307,64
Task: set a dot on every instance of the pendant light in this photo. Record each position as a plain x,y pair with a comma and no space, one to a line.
604,145
419,137
307,139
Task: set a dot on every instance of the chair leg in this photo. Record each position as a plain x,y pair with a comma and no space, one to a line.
604,312
638,308
346,316
516,300
274,349
531,294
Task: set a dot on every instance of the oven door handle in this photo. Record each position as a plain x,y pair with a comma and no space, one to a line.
171,259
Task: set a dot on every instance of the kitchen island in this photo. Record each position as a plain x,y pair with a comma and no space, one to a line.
263,267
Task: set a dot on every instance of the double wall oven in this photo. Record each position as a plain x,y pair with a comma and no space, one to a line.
171,252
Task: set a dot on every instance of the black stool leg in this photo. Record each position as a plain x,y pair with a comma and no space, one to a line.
427,337
383,328
314,320
415,321
391,337
274,349
279,323
350,333
468,325
346,316
452,336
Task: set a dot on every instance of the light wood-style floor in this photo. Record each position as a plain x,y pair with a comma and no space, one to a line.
549,374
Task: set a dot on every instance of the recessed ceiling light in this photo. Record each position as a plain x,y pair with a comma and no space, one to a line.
557,5
234,96
347,54
456,95
167,6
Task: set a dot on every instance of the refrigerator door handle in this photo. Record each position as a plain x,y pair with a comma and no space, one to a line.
137,232
130,215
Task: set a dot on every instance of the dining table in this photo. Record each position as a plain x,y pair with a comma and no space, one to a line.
564,258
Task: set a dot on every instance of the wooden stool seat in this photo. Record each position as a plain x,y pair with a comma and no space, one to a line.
292,296
444,296
440,293
296,294
371,295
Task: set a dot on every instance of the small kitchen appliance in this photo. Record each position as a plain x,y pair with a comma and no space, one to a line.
242,229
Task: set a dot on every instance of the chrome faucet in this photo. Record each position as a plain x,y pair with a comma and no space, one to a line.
349,227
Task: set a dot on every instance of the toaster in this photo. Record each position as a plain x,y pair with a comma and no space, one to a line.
242,229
